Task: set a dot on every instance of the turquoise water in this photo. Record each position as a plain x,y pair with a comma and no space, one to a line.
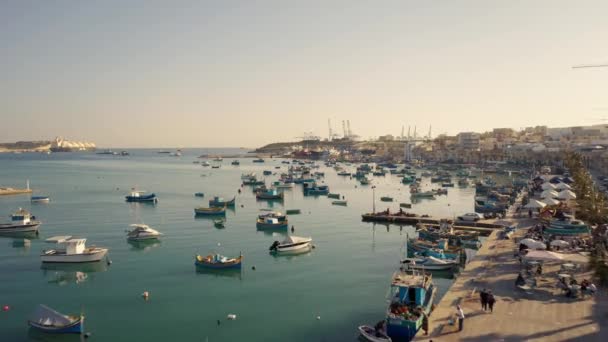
344,280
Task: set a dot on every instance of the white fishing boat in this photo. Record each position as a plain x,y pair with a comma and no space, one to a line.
291,244
371,334
142,232
429,263
205,163
21,222
71,250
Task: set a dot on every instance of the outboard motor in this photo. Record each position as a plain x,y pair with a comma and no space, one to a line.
274,246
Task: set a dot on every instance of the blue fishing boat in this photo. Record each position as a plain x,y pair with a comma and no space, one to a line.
199,194
412,297
220,202
440,250
408,179
269,194
259,160
216,261
48,320
201,211
139,196
272,220
267,172
314,189
567,226
40,199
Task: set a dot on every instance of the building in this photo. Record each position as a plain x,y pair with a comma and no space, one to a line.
468,140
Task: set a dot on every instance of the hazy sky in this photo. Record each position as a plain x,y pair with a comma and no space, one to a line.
245,73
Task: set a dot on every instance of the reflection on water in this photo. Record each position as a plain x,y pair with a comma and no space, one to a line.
144,245
37,335
65,274
227,273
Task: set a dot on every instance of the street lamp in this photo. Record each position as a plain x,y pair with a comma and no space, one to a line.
374,199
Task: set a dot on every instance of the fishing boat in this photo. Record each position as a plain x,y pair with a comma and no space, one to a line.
463,182
202,211
293,211
334,196
259,160
141,232
446,231
344,173
40,199
408,179
291,244
341,202
215,166
423,194
272,220
282,185
71,250
217,261
236,162
405,205
221,223
373,335
48,320
429,263
426,174
314,189
567,226
218,159
447,185
21,222
364,181
177,153
139,196
267,172
205,163
412,297
386,199
269,194
440,249
441,191
199,194
220,202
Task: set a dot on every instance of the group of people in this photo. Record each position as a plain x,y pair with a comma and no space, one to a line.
487,300
586,287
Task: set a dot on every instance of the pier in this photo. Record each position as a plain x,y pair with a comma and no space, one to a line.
484,228
540,314
12,191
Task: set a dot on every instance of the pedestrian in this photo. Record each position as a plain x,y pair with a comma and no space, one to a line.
460,315
530,213
425,323
491,301
483,297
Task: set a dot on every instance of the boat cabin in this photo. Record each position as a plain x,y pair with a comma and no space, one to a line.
21,216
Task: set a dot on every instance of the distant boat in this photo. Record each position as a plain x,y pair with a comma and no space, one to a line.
124,153
199,194
270,194
220,202
344,173
215,166
138,196
205,163
293,211
267,172
218,159
259,160
344,203
291,244
221,223
272,220
48,320
386,199
177,153
21,222
236,162
210,211
142,232
161,151
110,152
217,261
71,250
40,199
334,196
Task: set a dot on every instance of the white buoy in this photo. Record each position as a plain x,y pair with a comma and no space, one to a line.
219,244
231,317
318,318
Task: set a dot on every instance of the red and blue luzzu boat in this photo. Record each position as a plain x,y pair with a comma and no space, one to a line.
217,261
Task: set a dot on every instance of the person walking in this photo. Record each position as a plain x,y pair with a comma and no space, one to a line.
460,315
425,324
491,301
483,297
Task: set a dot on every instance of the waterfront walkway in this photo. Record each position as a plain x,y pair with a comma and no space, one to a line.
541,314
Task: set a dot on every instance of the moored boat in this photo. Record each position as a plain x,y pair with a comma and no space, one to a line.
567,226
48,320
141,232
272,220
293,211
291,244
217,261
236,162
71,250
269,194
341,202
220,202
373,335
21,222
386,199
429,263
202,211
139,196
199,194
412,297
40,199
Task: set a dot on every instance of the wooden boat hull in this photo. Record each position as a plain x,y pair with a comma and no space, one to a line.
74,328
203,212
236,264
369,334
269,226
20,228
148,199
95,255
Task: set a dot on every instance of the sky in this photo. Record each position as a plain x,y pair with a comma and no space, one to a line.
246,73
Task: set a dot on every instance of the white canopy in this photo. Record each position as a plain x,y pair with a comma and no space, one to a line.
563,186
534,204
533,244
548,194
550,201
566,194
548,186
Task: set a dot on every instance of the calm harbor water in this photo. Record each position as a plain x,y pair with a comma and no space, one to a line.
344,280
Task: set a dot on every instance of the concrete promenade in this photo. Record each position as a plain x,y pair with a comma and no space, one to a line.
541,314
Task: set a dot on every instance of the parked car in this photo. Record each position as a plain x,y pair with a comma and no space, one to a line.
470,217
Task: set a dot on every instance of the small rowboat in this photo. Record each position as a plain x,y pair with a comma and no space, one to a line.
217,261
48,320
370,334
210,211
